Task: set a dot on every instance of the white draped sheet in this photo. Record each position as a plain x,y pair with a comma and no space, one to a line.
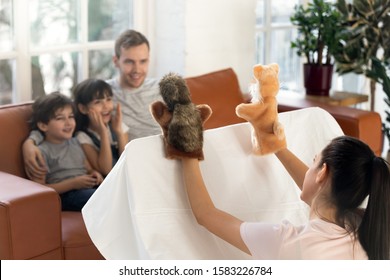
141,210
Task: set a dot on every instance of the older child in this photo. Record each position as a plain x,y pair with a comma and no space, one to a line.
68,171
102,134
341,177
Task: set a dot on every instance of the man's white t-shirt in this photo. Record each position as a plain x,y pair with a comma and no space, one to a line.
317,239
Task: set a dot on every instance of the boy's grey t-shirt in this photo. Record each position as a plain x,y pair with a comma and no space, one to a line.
65,160
135,106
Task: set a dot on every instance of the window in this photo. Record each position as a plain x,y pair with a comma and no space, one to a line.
50,45
274,32
7,61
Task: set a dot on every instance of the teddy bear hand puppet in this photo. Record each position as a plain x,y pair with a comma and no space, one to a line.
181,120
262,113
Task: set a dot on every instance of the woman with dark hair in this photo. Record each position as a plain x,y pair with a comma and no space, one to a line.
341,178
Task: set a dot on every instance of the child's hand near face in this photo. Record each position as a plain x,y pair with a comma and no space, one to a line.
96,121
116,120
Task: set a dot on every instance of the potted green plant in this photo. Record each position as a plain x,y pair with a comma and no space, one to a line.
319,27
379,74
367,35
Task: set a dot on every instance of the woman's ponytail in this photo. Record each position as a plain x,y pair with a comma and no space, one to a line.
374,230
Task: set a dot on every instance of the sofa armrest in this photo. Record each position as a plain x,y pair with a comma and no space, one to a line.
30,220
364,125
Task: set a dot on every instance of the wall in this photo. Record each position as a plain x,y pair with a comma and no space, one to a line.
194,37
169,37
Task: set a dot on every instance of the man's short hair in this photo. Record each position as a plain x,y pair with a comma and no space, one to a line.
129,38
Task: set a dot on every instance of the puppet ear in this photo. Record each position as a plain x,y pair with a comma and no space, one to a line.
274,67
160,113
205,112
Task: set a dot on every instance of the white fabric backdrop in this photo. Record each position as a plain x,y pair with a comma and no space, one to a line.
141,210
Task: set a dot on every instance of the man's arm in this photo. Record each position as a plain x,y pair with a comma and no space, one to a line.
34,162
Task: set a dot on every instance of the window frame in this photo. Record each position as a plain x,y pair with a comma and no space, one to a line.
267,29
22,52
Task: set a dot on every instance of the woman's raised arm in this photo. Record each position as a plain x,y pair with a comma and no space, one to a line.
216,221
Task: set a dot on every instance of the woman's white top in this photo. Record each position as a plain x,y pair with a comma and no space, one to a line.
318,239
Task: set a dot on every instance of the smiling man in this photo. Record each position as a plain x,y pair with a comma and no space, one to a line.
132,88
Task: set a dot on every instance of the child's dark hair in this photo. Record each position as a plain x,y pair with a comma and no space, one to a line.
45,107
357,174
85,92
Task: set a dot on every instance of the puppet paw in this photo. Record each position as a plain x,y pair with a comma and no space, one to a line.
279,131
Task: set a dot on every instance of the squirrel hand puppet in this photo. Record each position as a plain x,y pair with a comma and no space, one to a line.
181,120
267,134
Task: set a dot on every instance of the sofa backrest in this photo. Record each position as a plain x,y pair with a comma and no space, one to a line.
14,129
221,91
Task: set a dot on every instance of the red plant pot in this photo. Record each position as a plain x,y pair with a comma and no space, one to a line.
317,79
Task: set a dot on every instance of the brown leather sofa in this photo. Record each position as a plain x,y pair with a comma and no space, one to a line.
32,225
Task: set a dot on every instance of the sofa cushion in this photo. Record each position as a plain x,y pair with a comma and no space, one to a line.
221,91
77,244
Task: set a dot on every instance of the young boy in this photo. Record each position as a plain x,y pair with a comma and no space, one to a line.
68,171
